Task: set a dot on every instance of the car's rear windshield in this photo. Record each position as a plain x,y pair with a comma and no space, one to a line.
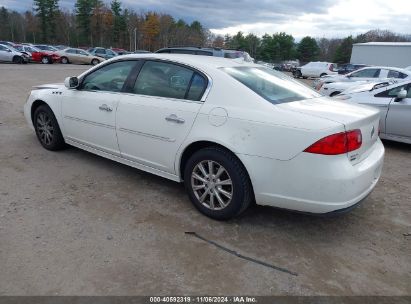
274,86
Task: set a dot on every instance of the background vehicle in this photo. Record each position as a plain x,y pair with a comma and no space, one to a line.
44,47
206,121
231,54
9,54
78,56
349,67
38,55
372,74
102,52
394,103
334,88
315,69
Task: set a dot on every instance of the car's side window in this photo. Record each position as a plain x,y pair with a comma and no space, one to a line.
197,88
80,52
100,51
71,51
368,73
110,77
2,48
169,80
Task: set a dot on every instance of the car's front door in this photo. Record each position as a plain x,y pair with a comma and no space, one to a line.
398,122
155,118
89,112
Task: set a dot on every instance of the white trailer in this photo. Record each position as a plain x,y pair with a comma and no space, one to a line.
394,54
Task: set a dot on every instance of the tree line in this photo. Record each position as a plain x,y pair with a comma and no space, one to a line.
98,23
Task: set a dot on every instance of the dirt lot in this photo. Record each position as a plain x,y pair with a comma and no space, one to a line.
72,223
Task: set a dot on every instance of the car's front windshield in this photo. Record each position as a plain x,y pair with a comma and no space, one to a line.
274,86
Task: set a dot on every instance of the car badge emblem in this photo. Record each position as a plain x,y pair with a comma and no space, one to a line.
372,131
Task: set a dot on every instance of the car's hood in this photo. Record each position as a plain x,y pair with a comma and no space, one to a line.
51,86
327,108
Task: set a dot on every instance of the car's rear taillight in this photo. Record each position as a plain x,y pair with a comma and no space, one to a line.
339,143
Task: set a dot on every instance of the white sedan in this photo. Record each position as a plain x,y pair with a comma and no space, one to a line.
233,132
394,103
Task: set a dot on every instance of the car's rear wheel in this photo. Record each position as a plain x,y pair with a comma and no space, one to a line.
298,74
95,61
217,183
17,59
47,129
64,60
45,60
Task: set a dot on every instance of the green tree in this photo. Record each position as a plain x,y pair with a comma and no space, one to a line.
343,52
119,22
47,11
84,12
308,49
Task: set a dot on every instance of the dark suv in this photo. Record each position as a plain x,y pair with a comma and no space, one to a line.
217,52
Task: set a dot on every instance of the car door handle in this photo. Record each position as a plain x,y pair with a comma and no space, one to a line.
175,118
105,107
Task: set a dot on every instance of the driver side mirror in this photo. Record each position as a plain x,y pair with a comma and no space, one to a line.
402,94
71,82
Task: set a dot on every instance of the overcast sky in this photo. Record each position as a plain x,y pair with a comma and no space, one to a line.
318,18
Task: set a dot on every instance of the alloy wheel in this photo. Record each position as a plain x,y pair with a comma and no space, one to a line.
212,185
45,128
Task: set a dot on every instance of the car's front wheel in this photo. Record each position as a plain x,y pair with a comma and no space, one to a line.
47,129
45,60
95,61
64,60
217,183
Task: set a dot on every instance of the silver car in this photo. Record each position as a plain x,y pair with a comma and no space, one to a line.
394,102
9,54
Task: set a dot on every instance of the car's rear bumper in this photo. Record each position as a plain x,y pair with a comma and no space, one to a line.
314,183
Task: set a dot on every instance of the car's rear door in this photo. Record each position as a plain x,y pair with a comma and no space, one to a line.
5,54
89,112
157,115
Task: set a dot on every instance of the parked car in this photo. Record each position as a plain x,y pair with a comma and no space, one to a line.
408,68
121,51
207,51
37,55
334,88
315,69
233,132
8,43
78,56
47,48
393,102
349,67
102,52
366,74
9,54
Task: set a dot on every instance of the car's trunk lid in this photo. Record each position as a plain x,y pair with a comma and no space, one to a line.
351,116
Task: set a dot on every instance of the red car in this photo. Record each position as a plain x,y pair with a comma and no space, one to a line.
37,55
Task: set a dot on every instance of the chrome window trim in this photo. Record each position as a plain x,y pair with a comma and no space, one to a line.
202,99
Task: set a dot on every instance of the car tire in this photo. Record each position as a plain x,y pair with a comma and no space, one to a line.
95,61
221,196
18,59
298,74
47,129
64,60
323,74
45,60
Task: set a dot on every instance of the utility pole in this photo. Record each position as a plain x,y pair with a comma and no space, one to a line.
135,39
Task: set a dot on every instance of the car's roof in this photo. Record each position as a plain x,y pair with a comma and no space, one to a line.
204,62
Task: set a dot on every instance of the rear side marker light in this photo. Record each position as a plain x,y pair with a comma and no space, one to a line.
338,143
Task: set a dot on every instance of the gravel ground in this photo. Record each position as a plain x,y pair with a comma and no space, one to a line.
72,223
